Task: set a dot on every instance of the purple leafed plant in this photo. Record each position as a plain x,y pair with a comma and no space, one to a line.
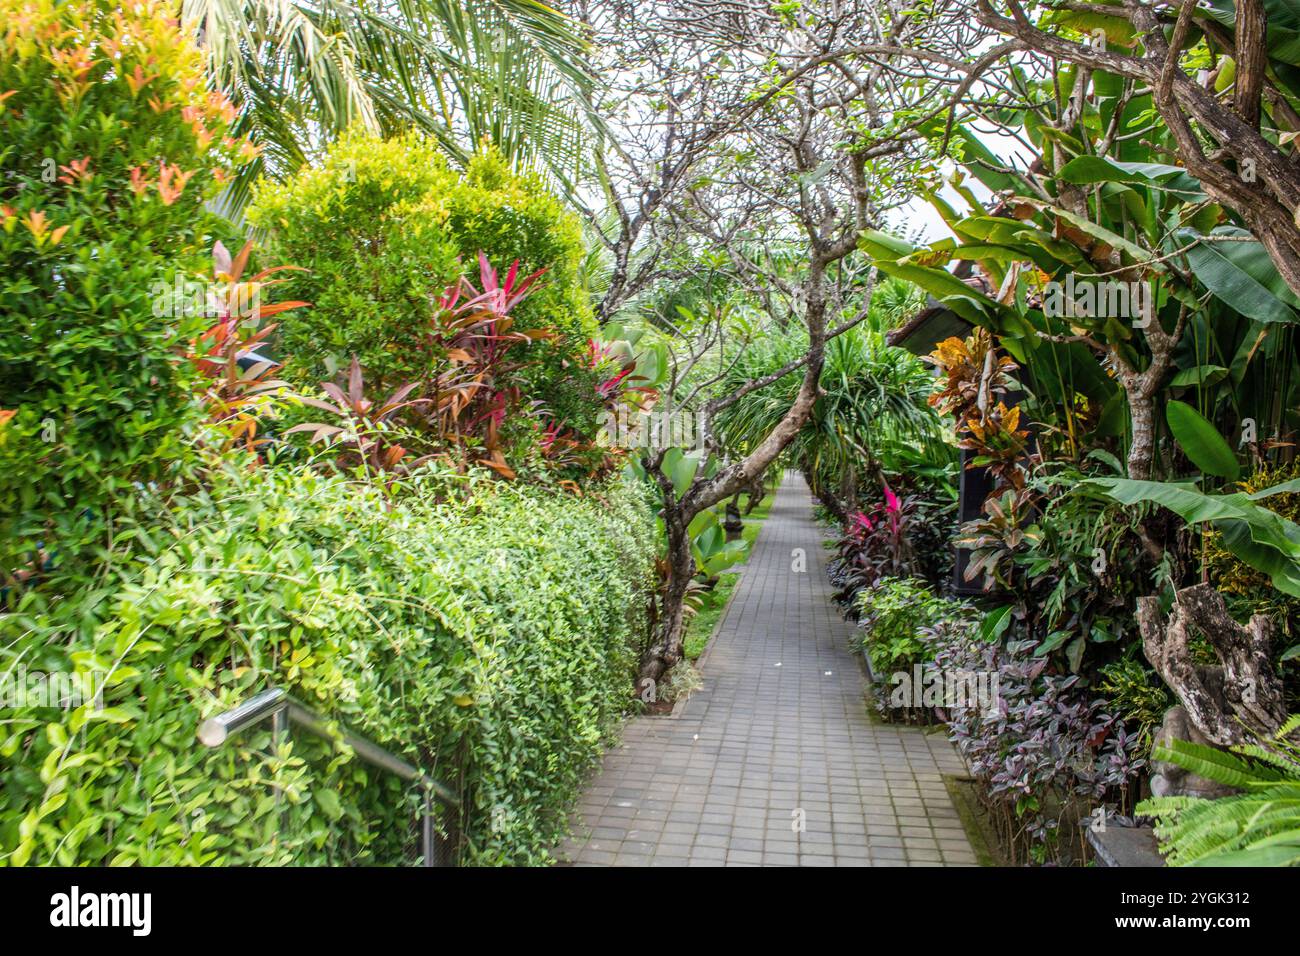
1045,752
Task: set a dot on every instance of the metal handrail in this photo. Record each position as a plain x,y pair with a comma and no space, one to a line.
284,709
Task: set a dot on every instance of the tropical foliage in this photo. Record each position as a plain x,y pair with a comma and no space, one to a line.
172,545
458,291
303,385
508,72
1258,827
871,424
485,633
112,143
896,615
1130,355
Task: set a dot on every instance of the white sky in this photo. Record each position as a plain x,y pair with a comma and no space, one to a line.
917,213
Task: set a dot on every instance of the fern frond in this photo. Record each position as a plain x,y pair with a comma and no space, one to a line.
1211,763
1260,827
1287,765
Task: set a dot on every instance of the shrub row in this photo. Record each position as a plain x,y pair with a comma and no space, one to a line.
486,632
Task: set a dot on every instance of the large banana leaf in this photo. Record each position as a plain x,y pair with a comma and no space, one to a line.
897,258
1257,536
1098,232
1201,441
1097,169
1241,274
981,161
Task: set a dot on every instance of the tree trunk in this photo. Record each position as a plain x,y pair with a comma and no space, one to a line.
1141,453
1238,701
666,648
1251,59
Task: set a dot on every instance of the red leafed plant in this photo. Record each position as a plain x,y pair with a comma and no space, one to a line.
475,331
366,427
567,447
1000,445
618,388
875,544
237,383
975,379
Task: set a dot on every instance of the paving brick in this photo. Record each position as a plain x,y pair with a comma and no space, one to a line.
718,781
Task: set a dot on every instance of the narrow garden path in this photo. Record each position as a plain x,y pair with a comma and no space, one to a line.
777,735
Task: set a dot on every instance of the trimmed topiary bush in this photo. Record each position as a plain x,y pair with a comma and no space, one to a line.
484,631
110,141
370,226
384,227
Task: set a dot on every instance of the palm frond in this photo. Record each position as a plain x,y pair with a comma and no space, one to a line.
513,72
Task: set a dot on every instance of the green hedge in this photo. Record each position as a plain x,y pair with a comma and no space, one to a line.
482,630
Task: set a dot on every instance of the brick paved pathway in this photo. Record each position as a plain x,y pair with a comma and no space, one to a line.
778,730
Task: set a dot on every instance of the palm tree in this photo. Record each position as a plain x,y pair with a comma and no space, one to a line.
301,71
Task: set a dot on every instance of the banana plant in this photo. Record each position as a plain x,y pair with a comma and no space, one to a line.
712,551
1219,334
1256,535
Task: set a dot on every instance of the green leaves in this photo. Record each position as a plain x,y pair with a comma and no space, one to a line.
1201,441
1261,538
1214,764
995,623
894,613
1098,169
520,76
1200,375
899,259
1096,231
680,467
91,325
1240,274
386,613
1260,827
982,162
713,552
